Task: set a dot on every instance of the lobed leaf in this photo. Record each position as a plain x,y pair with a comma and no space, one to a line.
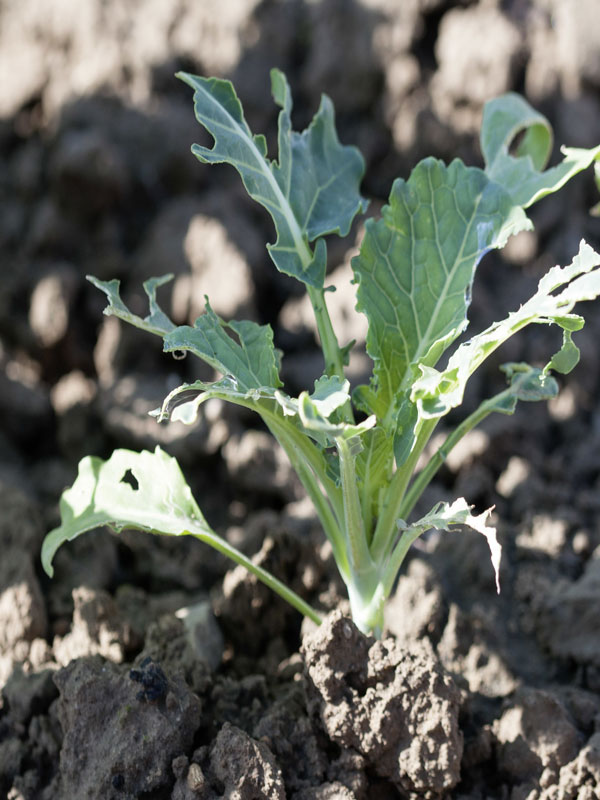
313,188
248,358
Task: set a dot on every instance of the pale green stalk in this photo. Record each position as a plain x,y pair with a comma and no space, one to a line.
334,363
386,524
364,588
326,503
424,478
265,577
360,558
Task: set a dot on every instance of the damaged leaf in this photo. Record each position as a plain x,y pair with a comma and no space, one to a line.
361,454
447,516
310,191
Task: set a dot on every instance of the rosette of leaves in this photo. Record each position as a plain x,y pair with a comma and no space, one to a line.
355,451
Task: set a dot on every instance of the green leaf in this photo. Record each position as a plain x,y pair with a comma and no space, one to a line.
416,267
330,393
406,431
315,421
435,393
567,357
595,210
316,411
446,516
374,466
156,322
160,501
528,383
101,495
313,188
248,357
183,403
521,175
504,118
310,412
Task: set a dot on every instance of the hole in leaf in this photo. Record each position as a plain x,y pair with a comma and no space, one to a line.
233,334
517,140
130,479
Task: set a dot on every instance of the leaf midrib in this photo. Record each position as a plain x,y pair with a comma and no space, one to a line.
426,341
301,246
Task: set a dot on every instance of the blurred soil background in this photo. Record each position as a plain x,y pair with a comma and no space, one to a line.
96,177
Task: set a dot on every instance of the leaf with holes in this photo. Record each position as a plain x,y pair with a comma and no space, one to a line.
103,494
362,456
522,175
449,516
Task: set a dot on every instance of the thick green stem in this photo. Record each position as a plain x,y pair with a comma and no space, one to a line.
364,585
360,558
422,480
397,557
367,606
307,450
334,360
334,363
302,451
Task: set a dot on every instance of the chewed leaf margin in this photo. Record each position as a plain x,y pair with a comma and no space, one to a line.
248,357
311,190
435,392
449,516
522,174
156,322
240,350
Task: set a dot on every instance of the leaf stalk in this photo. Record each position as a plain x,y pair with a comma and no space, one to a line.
265,577
386,524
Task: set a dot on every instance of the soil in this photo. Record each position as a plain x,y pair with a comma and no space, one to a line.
152,668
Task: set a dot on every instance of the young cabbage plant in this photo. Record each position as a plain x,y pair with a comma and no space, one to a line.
355,452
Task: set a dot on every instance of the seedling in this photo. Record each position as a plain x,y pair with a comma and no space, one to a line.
355,451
